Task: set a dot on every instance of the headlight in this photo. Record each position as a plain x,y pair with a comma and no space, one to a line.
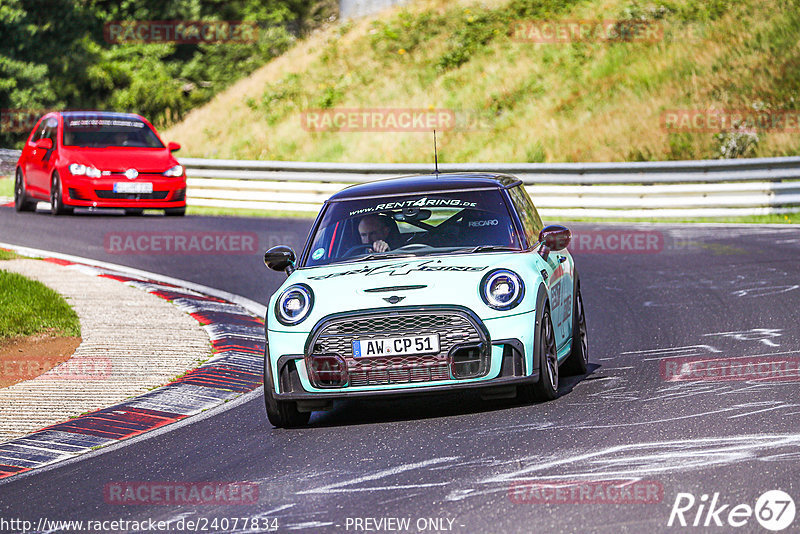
294,304
76,169
502,289
177,170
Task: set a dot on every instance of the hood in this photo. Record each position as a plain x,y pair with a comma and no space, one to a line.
434,280
144,160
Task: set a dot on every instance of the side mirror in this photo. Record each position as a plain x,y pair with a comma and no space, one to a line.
280,258
45,144
554,238
173,147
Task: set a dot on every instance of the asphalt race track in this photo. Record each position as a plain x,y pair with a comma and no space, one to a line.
450,463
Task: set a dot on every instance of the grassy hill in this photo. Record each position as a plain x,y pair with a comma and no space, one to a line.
596,100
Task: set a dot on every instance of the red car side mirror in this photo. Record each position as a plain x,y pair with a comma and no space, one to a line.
173,147
44,144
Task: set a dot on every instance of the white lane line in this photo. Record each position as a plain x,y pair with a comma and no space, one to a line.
764,410
382,474
726,358
684,348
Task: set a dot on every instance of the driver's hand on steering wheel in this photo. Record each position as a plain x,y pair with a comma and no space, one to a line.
380,246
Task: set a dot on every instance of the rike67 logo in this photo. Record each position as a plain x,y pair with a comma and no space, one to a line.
774,510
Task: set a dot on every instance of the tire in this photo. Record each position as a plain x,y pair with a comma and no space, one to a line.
281,414
578,361
135,211
546,388
57,206
175,212
21,202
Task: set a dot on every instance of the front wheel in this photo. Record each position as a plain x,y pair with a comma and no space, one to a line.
283,414
547,387
57,206
175,212
578,361
21,202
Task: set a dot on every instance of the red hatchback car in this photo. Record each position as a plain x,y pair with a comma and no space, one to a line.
99,159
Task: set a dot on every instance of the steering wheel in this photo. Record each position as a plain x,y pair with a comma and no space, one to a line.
361,249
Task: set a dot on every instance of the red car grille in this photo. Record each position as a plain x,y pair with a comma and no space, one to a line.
155,195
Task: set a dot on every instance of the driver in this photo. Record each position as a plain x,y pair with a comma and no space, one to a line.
119,139
374,230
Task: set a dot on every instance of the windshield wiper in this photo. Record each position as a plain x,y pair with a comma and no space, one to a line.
384,255
489,248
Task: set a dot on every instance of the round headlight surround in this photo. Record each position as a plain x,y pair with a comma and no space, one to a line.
493,281
304,298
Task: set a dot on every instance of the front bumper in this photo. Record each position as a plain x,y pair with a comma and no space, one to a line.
512,372
167,192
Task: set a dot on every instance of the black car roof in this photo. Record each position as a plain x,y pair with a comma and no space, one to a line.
426,183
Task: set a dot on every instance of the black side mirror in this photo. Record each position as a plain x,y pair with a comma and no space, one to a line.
554,238
280,258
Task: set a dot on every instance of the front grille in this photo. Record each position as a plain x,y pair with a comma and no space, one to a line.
454,328
397,370
111,195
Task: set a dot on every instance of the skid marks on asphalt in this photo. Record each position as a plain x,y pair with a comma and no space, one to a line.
635,461
629,462
676,366
749,280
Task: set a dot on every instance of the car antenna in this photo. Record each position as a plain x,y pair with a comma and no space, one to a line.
435,155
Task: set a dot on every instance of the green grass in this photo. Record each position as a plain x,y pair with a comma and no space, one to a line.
6,187
582,101
28,307
8,255
235,212
789,218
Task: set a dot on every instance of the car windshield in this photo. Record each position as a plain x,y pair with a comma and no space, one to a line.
413,225
97,131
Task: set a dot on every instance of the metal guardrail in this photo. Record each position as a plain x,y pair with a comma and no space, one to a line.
8,160
663,189
706,188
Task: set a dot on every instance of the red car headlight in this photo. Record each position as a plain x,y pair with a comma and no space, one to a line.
177,170
76,169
